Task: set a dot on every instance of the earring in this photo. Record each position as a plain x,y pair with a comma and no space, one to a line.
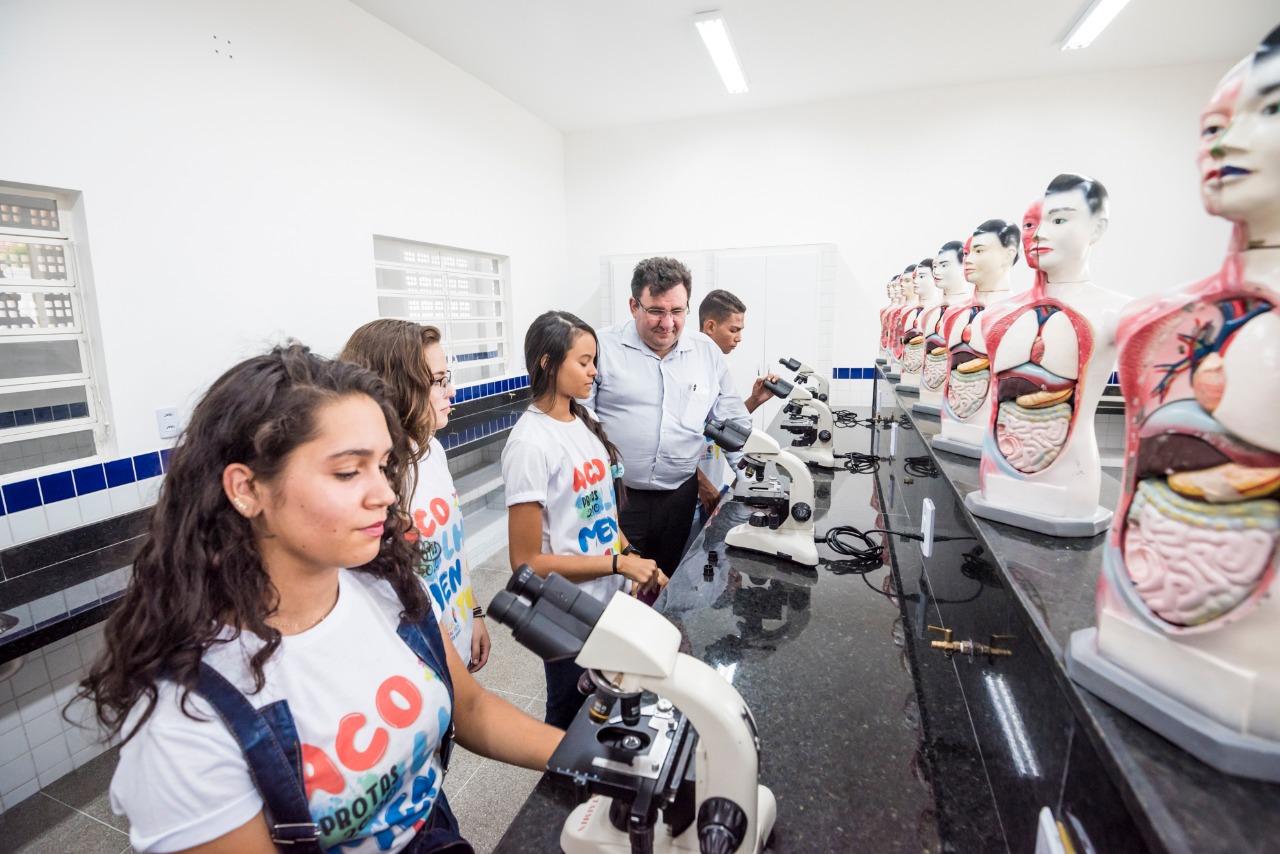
240,505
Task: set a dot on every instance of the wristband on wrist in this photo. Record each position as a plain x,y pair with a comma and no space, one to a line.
615,563
477,612
630,550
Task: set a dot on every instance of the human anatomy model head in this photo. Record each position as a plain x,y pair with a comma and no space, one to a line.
1074,217
908,281
948,269
926,288
993,250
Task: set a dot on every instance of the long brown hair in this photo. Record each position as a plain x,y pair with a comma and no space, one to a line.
550,338
395,351
199,570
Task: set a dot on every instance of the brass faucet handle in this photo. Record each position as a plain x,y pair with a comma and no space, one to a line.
995,650
946,634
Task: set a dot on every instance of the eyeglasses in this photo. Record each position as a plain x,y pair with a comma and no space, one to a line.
658,314
443,381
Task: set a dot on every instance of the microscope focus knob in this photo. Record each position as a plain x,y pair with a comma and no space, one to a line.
824,435
822,397
721,826
759,519
802,512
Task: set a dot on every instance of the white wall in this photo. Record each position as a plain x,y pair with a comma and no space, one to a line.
232,202
889,178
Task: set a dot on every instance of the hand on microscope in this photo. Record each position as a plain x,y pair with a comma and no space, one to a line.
760,394
643,572
708,493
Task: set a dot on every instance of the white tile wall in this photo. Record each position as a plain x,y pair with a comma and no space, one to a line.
63,515
124,498
95,506
28,524
37,744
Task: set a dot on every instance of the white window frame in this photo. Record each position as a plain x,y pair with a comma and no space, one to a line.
457,307
81,332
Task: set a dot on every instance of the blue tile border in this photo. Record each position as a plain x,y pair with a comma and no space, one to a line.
90,479
119,472
490,387
147,465
57,487
95,477
22,495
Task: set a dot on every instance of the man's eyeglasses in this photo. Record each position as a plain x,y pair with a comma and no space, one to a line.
444,380
658,313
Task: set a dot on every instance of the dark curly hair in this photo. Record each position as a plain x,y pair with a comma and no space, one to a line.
198,570
660,275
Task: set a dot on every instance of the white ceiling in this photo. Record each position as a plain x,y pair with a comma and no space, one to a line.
585,64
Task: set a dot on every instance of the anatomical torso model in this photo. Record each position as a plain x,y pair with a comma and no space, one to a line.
948,276
913,332
1053,349
1188,635
966,409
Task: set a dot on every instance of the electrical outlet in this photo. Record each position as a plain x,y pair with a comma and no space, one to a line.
926,527
167,421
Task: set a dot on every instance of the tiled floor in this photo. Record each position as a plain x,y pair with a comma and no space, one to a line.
74,815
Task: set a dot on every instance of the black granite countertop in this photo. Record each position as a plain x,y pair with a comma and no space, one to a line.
822,658
872,740
1177,802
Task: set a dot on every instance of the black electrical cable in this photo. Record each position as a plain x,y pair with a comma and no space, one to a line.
849,418
921,466
860,463
905,423
843,539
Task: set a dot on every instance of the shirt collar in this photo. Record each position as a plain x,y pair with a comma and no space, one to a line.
631,338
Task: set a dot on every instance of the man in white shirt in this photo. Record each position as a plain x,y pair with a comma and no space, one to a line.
658,383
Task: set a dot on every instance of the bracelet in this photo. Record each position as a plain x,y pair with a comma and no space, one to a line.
631,550
477,612
615,563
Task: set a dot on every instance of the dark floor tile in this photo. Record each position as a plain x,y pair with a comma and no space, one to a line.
41,825
86,788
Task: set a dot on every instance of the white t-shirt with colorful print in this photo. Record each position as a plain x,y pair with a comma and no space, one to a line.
437,519
369,716
565,468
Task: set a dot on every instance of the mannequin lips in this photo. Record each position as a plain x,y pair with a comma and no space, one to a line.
1229,172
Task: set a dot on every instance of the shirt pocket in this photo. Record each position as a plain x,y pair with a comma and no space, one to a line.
695,407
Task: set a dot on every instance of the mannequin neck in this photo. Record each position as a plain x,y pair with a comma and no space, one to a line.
1069,274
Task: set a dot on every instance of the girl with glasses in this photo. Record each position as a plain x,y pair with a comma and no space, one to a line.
410,359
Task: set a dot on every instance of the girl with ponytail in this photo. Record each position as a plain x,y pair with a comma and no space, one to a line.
560,471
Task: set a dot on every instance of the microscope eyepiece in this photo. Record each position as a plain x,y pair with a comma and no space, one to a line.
552,617
790,364
726,433
780,387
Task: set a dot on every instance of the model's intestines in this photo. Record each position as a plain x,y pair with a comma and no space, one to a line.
934,373
1203,525
1036,374
970,369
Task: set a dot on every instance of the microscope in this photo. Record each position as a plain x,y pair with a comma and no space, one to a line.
814,433
674,772
804,374
781,523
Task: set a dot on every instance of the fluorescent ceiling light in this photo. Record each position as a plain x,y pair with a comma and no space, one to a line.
1092,23
715,35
